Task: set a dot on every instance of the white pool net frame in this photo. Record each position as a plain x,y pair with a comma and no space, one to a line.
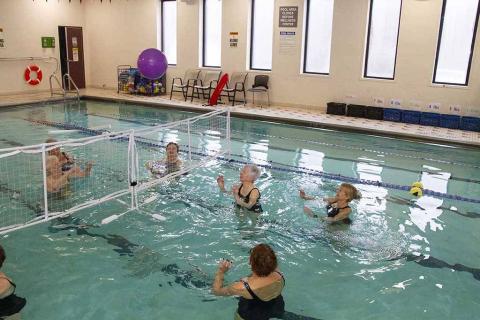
101,168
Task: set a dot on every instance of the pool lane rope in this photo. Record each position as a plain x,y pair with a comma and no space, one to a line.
270,166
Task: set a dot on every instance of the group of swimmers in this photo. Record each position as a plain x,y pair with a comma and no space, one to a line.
261,292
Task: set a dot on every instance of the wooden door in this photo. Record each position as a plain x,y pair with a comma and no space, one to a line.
74,55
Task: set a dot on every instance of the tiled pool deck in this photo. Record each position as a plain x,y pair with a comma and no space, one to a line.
308,117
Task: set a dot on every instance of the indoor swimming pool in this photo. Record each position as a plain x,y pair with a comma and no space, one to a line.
402,257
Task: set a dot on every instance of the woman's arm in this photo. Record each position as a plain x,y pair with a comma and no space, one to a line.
330,200
304,196
218,289
253,199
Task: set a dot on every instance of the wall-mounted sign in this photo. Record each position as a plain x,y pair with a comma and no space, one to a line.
288,17
48,42
75,54
74,42
288,43
2,39
233,39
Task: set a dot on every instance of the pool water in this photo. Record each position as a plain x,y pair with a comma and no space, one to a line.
399,259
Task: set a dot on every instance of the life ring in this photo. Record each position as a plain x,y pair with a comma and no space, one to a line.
37,70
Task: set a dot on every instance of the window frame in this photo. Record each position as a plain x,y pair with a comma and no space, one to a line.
305,41
252,27
162,26
367,48
203,39
439,44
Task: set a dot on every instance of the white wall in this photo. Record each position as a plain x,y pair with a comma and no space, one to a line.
116,32
24,23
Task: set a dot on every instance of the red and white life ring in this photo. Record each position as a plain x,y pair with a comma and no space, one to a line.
36,80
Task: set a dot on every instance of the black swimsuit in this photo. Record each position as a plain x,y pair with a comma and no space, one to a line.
333,211
11,304
257,207
258,309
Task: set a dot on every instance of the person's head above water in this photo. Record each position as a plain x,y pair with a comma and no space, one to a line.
249,173
54,151
172,151
2,256
263,260
348,192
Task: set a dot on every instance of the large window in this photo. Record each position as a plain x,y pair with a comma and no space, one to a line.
261,36
212,33
318,36
168,18
382,39
456,42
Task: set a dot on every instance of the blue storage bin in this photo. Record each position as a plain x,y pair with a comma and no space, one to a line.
450,121
430,119
470,124
411,116
390,114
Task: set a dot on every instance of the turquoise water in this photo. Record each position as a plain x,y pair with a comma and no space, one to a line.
141,268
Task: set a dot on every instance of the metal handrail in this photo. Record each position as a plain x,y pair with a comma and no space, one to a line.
67,79
52,93
32,58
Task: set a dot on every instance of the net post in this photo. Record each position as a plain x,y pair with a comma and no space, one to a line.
132,168
189,142
44,172
228,135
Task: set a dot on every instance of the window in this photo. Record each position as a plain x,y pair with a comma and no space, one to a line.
318,36
212,33
169,30
261,36
382,39
456,41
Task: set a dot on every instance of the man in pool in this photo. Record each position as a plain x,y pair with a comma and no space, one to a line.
337,207
246,195
169,164
66,162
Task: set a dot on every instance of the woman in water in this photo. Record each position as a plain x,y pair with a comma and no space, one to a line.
246,194
10,304
337,207
66,162
169,164
261,292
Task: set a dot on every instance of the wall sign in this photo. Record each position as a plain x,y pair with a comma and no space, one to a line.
2,39
48,42
233,39
288,17
288,43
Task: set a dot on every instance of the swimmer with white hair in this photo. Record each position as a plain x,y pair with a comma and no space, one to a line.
246,194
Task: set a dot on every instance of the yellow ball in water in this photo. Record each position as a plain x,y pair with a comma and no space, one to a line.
417,189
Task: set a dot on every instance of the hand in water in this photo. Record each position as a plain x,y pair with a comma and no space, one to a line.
224,265
302,194
221,182
308,211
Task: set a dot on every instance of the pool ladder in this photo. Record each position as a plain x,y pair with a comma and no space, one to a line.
67,83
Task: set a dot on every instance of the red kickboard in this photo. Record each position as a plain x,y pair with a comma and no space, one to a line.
218,90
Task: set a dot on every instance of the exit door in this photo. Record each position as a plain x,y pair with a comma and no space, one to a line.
71,55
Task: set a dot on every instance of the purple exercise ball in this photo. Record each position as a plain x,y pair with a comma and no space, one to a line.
152,63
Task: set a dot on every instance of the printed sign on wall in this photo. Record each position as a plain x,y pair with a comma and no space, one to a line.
48,42
288,43
233,39
288,17
2,39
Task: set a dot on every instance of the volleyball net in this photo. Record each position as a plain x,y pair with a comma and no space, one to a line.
42,182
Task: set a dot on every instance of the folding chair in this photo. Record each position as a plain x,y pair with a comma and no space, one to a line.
189,80
206,85
236,84
260,84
